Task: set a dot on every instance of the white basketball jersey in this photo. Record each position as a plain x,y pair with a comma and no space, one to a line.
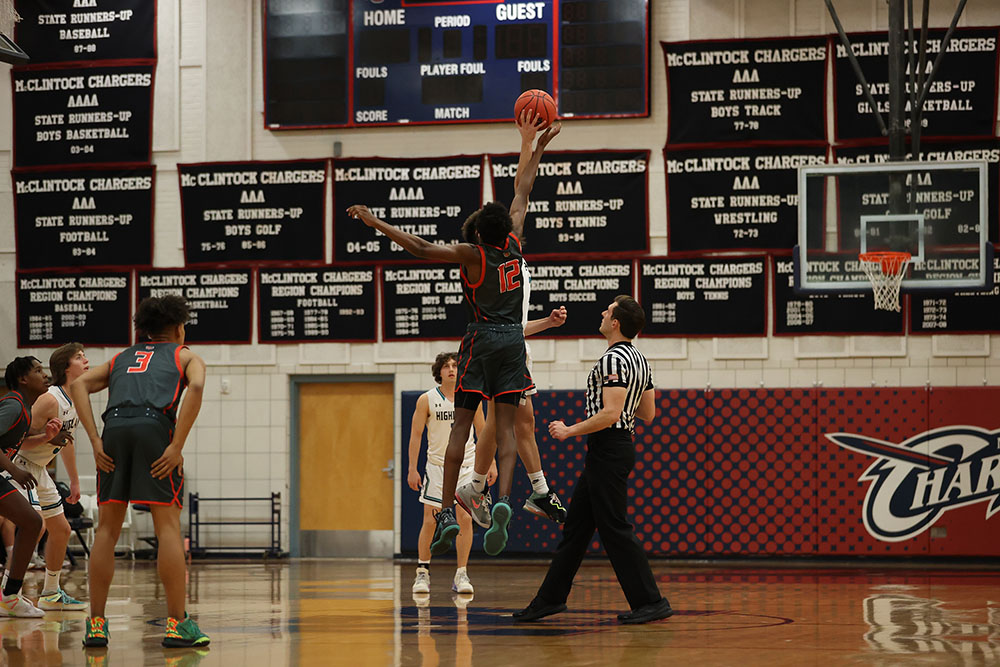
526,299
42,455
442,416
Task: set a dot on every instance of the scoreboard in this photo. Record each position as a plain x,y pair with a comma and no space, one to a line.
353,63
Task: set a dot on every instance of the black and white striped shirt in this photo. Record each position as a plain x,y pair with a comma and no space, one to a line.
621,365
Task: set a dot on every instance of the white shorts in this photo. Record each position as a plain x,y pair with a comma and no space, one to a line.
430,492
528,360
44,498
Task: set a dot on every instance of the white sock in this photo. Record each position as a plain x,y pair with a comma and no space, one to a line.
3,582
51,584
10,552
478,482
538,484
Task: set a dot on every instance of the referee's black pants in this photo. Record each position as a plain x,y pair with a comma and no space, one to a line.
599,502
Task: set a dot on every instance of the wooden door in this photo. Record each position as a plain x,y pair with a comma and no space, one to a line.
346,439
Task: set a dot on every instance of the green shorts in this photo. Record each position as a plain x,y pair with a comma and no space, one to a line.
492,360
134,443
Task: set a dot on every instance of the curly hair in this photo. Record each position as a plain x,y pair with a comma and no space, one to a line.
439,363
156,314
59,362
493,223
17,369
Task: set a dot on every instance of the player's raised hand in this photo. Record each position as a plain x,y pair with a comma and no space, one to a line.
558,316
549,134
363,213
558,430
528,124
52,428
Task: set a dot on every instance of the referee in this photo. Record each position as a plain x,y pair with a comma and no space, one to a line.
619,389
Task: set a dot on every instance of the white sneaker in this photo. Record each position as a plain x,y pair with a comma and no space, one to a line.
20,607
422,582
462,583
36,563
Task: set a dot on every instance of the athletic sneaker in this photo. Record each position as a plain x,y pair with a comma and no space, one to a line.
445,531
36,563
60,601
495,538
97,632
20,607
422,582
182,634
476,504
546,506
462,584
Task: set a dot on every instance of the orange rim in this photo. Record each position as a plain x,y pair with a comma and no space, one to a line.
890,261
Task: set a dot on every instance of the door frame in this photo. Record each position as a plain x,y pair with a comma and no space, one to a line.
295,384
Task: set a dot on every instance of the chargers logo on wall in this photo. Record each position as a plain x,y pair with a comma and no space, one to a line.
916,481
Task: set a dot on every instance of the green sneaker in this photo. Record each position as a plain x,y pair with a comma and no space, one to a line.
97,632
495,538
183,634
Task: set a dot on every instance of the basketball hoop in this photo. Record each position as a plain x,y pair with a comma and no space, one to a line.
885,270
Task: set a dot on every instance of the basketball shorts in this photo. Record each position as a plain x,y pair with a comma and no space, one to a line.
134,443
492,361
430,492
528,362
44,498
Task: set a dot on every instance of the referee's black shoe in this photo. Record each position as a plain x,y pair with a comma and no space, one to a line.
547,506
445,532
647,612
538,608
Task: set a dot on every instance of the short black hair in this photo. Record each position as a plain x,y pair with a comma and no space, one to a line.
630,315
59,362
439,363
17,369
156,314
493,223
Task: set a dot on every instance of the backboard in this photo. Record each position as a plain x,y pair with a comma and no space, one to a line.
936,211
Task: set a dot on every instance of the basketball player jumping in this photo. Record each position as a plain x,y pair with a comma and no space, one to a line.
435,410
491,359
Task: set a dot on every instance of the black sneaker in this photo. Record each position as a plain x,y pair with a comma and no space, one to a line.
445,532
647,612
538,608
547,506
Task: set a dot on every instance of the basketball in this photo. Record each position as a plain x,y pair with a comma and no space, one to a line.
539,102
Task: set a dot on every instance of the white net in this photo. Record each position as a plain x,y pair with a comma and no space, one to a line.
886,271
8,17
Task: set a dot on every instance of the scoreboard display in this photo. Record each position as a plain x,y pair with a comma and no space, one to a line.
337,63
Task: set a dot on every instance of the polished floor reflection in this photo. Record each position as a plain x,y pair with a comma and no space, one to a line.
328,612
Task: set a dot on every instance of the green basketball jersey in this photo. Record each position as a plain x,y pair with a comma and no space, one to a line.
148,375
498,295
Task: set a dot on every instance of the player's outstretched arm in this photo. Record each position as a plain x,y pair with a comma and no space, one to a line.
527,164
194,373
556,318
460,253
417,424
45,408
91,382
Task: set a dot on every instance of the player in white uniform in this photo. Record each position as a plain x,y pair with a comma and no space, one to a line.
543,501
66,364
436,411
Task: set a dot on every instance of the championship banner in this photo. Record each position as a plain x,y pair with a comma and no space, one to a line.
722,296
93,308
957,312
736,198
422,302
962,100
220,301
428,197
320,304
253,212
83,115
954,212
818,314
746,90
584,287
55,31
99,216
581,202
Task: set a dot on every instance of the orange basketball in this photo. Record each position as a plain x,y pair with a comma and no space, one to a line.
538,101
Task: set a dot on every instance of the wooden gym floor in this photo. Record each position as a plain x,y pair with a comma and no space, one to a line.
330,612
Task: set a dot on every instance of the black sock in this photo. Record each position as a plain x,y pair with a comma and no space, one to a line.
426,566
13,586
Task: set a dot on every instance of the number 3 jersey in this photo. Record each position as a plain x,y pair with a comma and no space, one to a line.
498,296
148,375
42,455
